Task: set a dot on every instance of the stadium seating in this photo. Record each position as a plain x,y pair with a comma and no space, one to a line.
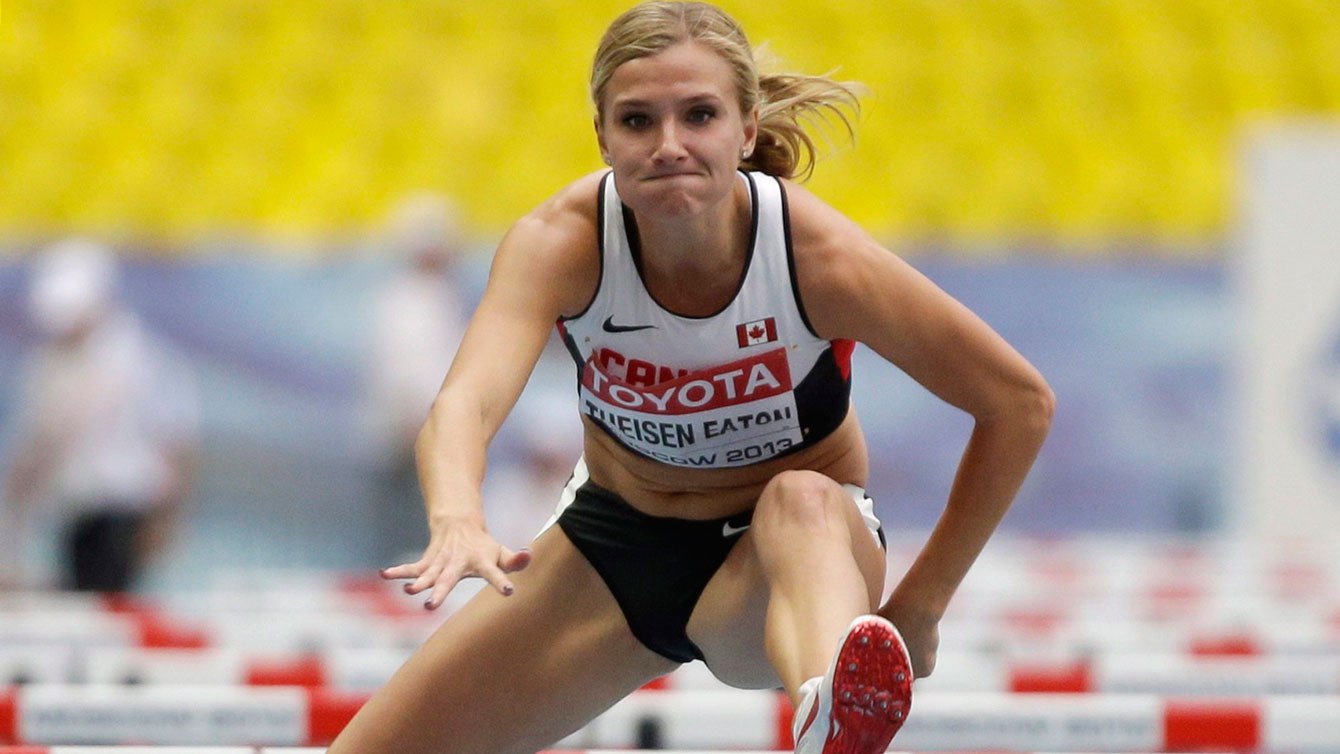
1082,122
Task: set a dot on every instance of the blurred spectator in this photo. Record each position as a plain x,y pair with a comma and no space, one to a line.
107,427
520,496
418,317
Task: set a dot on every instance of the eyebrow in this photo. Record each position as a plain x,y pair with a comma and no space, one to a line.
695,99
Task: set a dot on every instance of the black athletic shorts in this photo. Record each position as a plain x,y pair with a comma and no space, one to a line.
656,567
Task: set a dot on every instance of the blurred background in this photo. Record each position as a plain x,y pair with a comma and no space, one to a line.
1088,175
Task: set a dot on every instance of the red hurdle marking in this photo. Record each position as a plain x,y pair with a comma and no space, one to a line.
308,671
8,716
1066,677
156,630
328,712
1200,725
1227,645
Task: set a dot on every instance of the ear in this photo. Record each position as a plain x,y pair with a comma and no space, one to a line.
600,140
750,131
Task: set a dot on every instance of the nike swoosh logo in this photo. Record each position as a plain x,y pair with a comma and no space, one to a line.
727,530
609,326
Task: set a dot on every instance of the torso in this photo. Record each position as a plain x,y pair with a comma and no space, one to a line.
662,490
691,334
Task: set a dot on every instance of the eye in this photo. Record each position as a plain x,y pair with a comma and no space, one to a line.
635,120
702,115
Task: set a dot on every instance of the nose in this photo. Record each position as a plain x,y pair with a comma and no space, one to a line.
670,147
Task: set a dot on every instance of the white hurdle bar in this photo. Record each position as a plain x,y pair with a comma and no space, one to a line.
364,670
318,750
760,720
254,630
992,722
1021,629
48,715
1167,674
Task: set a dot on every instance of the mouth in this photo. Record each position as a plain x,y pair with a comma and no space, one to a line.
665,176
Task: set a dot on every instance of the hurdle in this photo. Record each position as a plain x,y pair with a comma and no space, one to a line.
1166,673
986,721
287,631
174,715
318,750
701,720
1019,629
367,669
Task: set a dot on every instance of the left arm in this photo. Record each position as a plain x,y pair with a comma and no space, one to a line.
854,288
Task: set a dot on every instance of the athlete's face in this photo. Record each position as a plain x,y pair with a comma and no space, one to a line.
673,131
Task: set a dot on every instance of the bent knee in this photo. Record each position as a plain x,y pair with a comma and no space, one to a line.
802,498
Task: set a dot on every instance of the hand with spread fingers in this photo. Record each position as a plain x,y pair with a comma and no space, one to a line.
459,549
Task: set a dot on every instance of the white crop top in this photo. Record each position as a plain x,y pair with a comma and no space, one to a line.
749,383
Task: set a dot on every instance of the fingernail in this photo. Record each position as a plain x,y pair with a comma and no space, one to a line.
507,590
428,604
409,588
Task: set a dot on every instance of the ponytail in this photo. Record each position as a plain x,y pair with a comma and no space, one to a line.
789,102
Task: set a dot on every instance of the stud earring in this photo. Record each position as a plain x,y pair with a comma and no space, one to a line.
607,159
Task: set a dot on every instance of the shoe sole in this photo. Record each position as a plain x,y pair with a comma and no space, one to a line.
872,688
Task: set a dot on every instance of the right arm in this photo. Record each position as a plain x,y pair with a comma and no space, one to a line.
545,266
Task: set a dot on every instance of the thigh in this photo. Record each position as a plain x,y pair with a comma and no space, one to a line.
729,621
511,674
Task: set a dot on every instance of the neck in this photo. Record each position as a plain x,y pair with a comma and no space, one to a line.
693,265
702,242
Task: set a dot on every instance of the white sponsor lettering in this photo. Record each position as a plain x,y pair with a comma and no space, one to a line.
729,415
754,378
704,390
759,379
164,716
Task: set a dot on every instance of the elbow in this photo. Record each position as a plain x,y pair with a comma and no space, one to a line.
1024,405
1037,404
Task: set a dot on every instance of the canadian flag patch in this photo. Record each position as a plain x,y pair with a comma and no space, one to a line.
757,332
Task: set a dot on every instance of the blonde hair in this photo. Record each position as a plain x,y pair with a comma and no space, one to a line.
785,101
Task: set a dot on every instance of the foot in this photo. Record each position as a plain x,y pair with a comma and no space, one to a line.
863,699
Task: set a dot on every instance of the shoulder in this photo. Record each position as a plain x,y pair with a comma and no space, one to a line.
572,209
819,232
836,260
565,220
556,244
